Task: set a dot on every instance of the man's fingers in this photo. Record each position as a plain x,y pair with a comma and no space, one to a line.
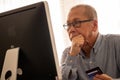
102,77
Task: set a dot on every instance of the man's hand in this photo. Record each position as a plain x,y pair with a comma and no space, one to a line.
102,77
77,43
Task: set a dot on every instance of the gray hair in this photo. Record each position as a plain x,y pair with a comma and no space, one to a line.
90,12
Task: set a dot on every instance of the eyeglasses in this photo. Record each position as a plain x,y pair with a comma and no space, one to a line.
75,24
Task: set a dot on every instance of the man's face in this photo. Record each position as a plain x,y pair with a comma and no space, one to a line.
83,28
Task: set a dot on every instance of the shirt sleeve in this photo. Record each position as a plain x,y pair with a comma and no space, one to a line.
68,71
115,40
117,50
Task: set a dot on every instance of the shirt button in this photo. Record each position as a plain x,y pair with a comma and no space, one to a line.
90,62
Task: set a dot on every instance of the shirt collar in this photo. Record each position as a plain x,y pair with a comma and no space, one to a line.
97,43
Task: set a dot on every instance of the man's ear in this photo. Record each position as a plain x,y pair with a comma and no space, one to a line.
95,25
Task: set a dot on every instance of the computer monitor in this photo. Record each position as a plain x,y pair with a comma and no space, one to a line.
30,29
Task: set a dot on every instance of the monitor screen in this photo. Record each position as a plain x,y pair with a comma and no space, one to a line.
29,28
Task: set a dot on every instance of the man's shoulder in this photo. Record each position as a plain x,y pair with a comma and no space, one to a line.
111,37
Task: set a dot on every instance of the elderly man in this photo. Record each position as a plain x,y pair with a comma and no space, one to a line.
89,48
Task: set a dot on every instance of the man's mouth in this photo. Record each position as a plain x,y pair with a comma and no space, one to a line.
72,36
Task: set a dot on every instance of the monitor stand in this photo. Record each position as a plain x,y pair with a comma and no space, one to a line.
10,70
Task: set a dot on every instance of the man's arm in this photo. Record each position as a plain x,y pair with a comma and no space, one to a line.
68,71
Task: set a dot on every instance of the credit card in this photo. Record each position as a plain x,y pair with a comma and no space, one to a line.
92,72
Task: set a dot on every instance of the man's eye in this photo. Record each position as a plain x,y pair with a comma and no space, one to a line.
68,23
76,22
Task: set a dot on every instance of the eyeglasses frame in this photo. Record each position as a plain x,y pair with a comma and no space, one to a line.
67,26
